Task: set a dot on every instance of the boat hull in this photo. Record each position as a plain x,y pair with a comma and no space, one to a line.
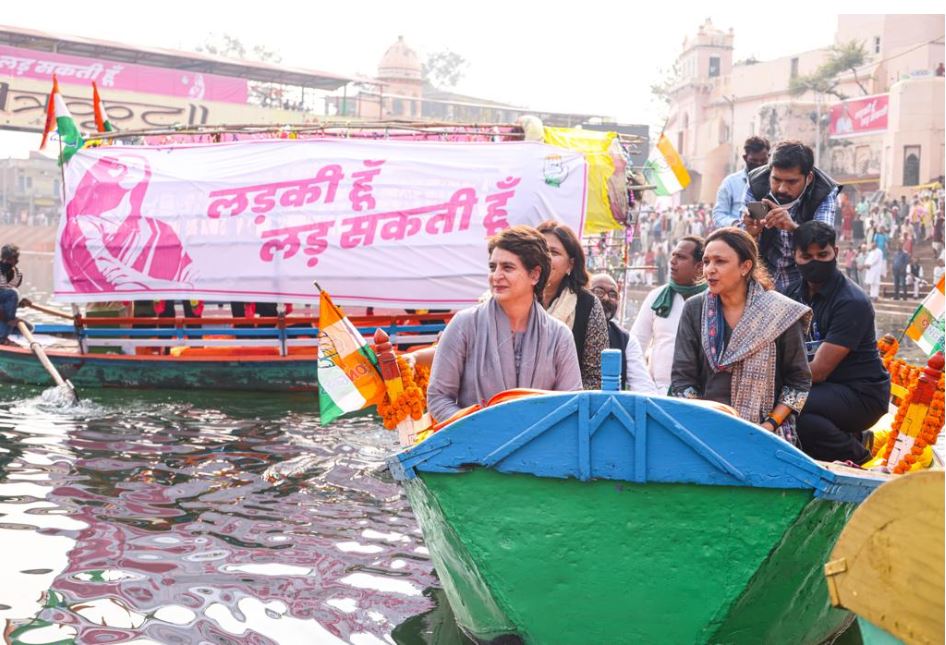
269,374
532,556
600,517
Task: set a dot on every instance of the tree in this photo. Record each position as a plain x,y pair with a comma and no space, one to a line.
843,57
264,94
663,89
233,47
444,68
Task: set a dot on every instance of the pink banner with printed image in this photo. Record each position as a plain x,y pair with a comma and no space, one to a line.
864,115
29,63
384,223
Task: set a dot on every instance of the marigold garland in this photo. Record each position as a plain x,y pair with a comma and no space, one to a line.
907,376
411,402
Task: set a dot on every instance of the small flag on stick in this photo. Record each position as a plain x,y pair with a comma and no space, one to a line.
58,114
926,325
349,377
665,168
102,124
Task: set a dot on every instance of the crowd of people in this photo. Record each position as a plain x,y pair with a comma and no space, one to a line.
895,228
752,310
39,217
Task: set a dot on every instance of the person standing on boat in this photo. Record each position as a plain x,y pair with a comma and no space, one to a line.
741,343
566,298
10,281
656,325
850,387
634,374
795,192
730,199
507,341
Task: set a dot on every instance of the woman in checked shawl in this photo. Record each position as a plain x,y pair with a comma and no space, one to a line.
741,343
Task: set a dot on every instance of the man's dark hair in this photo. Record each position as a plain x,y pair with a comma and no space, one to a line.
9,251
755,144
793,154
814,232
698,245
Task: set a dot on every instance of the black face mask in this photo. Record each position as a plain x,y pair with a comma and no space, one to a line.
818,272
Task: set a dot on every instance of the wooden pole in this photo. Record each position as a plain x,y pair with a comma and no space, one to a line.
44,360
51,311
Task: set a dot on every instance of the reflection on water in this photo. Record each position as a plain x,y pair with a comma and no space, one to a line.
180,518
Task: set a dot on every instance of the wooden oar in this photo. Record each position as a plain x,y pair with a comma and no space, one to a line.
41,355
50,311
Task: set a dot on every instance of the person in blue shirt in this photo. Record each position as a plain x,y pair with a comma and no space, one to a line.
730,199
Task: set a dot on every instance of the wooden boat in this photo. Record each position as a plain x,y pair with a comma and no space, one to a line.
887,566
607,517
212,356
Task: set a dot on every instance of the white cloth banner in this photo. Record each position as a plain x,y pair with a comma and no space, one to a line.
382,223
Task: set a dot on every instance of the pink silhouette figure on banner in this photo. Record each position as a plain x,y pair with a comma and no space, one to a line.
108,245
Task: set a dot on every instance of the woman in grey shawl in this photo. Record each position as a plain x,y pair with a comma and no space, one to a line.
508,341
741,343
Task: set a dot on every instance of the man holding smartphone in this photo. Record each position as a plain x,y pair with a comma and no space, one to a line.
794,192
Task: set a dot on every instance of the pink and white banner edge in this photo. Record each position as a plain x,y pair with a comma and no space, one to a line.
376,223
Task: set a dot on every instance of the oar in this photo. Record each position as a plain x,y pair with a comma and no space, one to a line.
41,355
50,311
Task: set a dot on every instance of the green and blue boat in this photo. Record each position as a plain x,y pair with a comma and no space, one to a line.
608,517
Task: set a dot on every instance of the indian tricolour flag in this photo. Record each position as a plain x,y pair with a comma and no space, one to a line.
665,168
926,326
59,117
349,378
102,124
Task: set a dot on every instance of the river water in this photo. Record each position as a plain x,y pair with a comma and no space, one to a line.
204,517
201,517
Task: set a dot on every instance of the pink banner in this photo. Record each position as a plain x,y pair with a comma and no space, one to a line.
385,223
866,115
195,86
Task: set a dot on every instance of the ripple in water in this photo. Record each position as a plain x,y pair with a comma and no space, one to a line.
177,517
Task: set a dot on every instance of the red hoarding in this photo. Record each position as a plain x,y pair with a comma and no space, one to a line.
865,115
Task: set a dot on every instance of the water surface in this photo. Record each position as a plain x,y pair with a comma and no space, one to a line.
180,517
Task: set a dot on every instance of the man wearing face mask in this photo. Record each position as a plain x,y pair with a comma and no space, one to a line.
634,376
730,198
795,192
850,387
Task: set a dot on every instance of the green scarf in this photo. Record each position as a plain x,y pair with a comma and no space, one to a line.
664,300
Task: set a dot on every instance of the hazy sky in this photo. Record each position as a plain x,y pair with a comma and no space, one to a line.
589,57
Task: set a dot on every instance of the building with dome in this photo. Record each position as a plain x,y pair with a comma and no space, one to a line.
400,92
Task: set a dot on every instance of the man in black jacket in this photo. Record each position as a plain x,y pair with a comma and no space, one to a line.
795,192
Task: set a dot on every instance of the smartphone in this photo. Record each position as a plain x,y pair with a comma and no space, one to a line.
758,210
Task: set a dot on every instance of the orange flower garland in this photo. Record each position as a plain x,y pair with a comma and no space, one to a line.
932,425
907,377
412,400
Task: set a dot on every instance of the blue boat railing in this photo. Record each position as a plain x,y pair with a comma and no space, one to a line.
210,336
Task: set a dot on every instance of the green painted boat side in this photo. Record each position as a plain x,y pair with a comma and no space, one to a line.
272,374
871,634
681,563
